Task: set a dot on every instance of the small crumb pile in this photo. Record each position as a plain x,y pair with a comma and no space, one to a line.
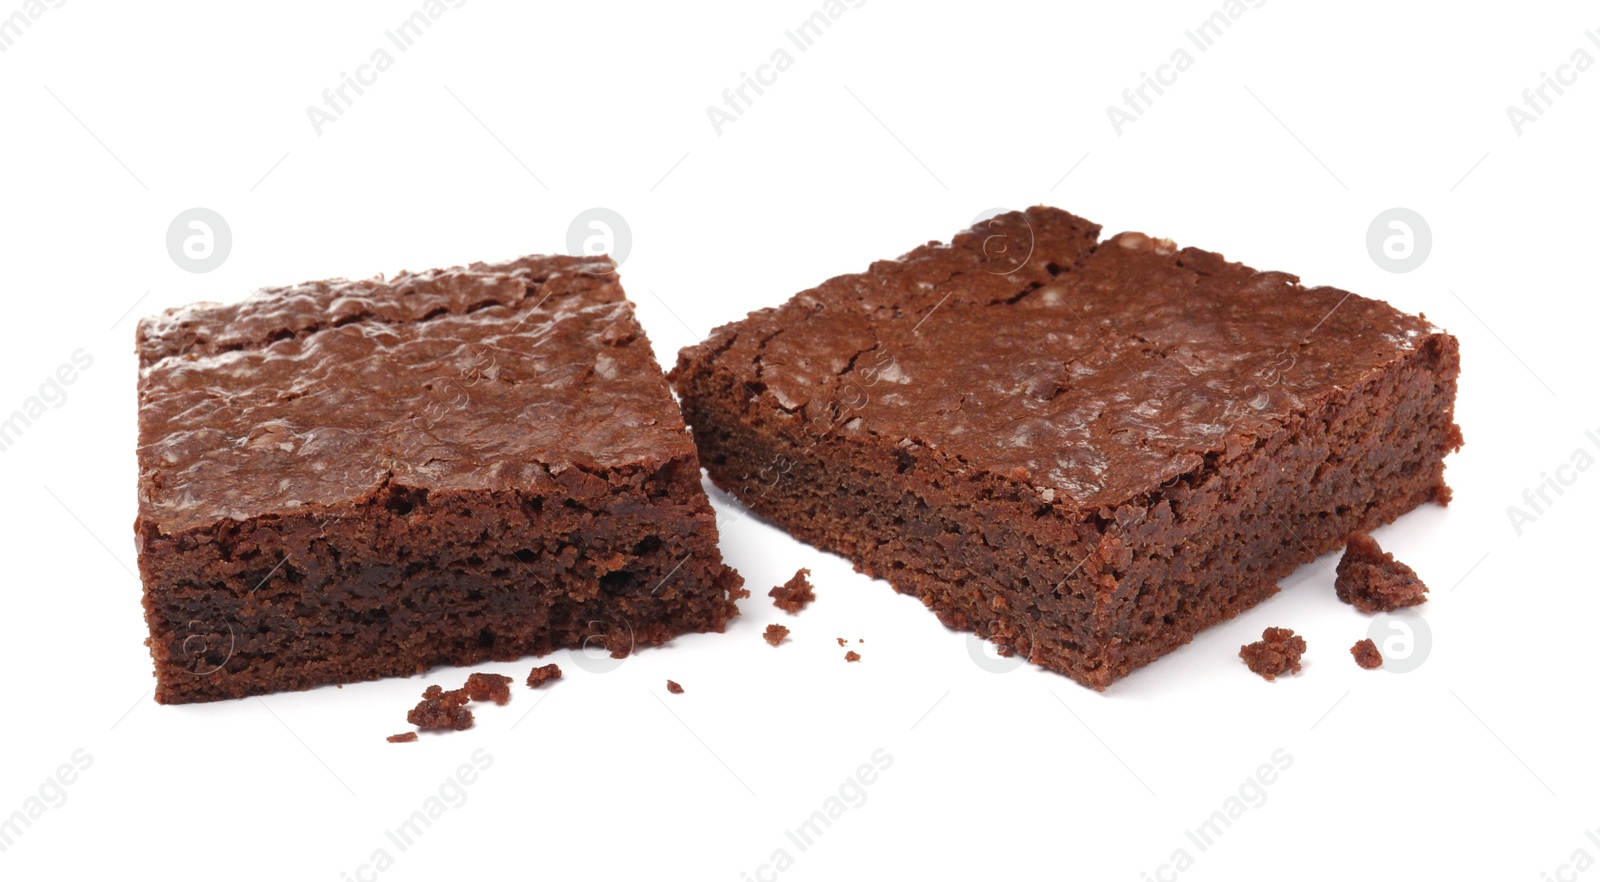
439,709
852,656
447,710
1277,653
775,634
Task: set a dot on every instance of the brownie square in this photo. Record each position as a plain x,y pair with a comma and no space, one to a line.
345,480
1086,451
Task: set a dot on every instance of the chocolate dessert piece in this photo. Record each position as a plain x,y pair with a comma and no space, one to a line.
674,688
1086,451
852,656
543,674
1371,580
402,738
439,709
488,687
1277,653
346,480
1366,654
775,634
793,595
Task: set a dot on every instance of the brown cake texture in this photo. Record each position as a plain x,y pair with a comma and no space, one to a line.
402,738
1277,653
1366,654
1084,450
543,674
1371,580
793,595
674,688
346,480
852,656
775,634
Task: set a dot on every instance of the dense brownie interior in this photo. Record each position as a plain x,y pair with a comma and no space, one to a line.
1086,451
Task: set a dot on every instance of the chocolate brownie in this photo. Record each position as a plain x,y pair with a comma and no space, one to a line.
1086,451
795,594
674,688
775,634
543,674
346,480
852,656
1366,654
1371,580
1277,653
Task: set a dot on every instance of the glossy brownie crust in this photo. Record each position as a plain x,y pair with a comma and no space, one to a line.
346,480
1085,451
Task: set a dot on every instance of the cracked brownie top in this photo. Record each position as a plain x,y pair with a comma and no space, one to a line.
1092,370
495,375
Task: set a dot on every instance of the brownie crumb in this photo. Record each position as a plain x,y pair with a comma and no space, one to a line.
439,709
793,595
1367,654
1275,654
402,738
841,640
852,656
775,634
1371,580
674,688
543,675
488,687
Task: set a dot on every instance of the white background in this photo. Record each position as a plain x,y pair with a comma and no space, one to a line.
1277,147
